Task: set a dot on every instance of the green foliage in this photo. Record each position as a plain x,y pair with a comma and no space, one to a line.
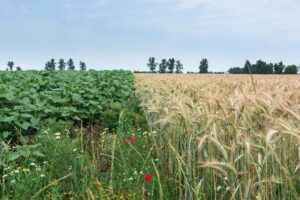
61,64
50,65
236,70
29,98
54,167
70,64
82,66
203,66
10,65
261,67
163,66
171,65
179,67
291,69
152,64
278,68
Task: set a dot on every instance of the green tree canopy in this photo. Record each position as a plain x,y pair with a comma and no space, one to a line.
163,66
152,64
70,64
50,65
179,67
236,70
10,65
203,66
279,68
82,66
171,65
61,64
291,69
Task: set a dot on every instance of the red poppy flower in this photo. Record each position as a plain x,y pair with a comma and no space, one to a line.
124,141
147,177
131,140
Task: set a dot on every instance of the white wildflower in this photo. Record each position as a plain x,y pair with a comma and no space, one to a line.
57,134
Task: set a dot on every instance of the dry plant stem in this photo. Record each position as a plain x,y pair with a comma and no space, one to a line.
49,185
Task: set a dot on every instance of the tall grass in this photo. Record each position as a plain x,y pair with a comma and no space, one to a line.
217,138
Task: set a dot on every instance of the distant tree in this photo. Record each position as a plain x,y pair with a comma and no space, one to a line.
10,65
18,68
179,67
279,68
261,67
70,64
50,65
152,64
291,69
163,66
203,66
82,66
171,65
236,70
61,64
248,67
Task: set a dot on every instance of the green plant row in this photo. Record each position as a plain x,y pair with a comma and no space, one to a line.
29,98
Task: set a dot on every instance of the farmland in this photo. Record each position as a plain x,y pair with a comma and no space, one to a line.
116,135
226,137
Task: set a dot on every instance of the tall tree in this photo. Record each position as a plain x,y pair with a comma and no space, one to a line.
248,67
70,64
279,68
203,66
171,65
61,64
50,65
163,66
179,67
10,65
152,64
291,69
82,66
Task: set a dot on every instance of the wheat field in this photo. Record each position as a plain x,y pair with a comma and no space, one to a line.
225,136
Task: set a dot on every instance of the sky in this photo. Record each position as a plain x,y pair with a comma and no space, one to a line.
115,34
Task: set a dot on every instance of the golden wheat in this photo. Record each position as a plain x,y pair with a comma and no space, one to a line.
225,136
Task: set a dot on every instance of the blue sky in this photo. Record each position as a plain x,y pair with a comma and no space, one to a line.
113,34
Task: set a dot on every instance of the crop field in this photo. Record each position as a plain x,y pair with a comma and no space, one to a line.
116,135
26,98
224,136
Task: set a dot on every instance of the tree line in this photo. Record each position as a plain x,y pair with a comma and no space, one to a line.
62,65
262,67
51,65
173,66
